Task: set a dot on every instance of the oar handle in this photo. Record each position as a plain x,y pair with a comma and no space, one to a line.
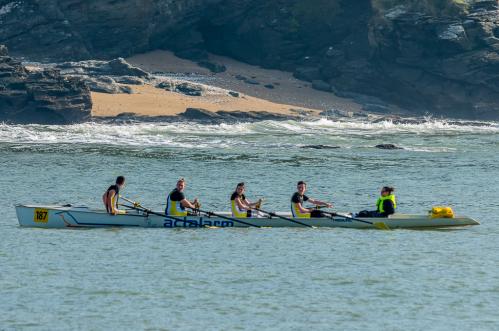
135,203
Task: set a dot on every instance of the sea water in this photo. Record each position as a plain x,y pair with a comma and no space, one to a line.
250,279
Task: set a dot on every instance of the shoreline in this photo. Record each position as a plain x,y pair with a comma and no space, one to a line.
150,101
241,92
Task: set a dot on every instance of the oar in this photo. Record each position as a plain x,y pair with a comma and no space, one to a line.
284,218
210,213
378,225
138,206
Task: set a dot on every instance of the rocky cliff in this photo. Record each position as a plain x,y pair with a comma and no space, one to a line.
436,56
40,95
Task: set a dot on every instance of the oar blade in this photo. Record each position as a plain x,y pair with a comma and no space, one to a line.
381,226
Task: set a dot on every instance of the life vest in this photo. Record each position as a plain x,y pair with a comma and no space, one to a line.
110,202
381,200
236,212
174,208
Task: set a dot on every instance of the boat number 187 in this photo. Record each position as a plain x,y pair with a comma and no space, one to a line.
41,215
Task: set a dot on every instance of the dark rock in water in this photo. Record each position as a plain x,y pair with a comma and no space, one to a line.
320,146
387,146
399,120
321,85
199,114
40,96
129,80
234,94
240,77
269,86
213,67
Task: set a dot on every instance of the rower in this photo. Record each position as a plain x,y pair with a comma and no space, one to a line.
385,206
241,207
177,203
299,197
111,196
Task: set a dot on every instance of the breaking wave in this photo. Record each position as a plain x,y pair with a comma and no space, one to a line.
278,134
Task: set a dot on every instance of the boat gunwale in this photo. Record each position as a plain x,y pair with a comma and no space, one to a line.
145,214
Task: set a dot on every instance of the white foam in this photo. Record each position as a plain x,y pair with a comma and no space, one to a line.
275,133
5,9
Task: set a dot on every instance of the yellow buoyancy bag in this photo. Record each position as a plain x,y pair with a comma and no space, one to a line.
441,212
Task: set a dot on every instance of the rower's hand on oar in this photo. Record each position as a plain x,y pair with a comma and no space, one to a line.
258,204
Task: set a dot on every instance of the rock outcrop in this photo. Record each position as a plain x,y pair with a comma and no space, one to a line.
201,115
437,56
40,95
105,76
186,88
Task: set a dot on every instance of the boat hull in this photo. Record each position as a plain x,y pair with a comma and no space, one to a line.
83,217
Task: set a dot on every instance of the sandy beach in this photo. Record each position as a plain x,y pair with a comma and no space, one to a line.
150,101
271,90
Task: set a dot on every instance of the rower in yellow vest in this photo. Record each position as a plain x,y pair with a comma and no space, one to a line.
385,206
240,206
176,203
387,203
299,197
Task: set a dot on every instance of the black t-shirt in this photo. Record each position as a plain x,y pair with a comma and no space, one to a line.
235,195
176,195
297,198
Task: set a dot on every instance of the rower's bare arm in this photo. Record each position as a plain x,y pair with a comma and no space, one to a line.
187,204
320,203
254,204
301,208
242,205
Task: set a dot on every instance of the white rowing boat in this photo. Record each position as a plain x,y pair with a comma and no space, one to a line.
79,217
